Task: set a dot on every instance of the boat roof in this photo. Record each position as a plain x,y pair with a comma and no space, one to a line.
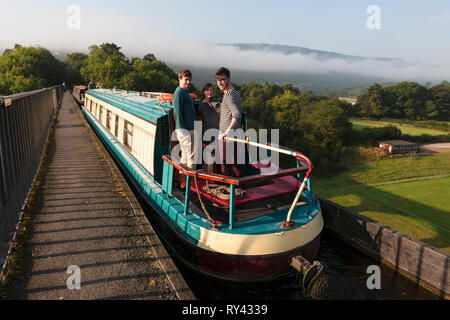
133,102
398,142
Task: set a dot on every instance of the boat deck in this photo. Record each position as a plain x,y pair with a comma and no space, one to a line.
266,190
246,210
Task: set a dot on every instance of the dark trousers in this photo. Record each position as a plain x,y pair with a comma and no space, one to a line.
210,168
233,169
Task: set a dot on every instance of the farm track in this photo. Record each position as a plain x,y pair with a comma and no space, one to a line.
412,179
405,127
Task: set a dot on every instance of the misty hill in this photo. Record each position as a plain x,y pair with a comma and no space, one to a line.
318,54
340,83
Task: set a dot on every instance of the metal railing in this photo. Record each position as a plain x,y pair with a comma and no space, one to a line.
25,121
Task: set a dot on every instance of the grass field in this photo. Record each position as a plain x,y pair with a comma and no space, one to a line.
413,131
407,194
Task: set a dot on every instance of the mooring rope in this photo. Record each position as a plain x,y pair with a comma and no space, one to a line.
221,192
213,222
318,267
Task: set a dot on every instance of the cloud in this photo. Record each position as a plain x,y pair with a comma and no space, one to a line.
138,37
445,17
213,55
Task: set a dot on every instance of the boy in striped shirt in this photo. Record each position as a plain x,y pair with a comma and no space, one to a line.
230,119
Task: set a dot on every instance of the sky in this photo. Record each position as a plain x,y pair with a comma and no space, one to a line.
182,31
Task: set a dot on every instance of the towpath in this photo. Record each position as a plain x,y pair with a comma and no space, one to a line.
87,228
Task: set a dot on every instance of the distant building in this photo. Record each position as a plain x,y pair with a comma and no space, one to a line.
398,146
352,101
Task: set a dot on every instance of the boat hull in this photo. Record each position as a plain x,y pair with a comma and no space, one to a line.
228,267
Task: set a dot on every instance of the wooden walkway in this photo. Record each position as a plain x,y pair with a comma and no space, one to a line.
86,216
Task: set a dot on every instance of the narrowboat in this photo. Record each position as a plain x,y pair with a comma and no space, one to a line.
248,233
78,93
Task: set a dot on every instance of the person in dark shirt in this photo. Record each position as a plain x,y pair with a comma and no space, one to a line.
185,116
91,84
209,114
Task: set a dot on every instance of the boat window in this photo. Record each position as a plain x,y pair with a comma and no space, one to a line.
108,120
128,135
100,115
116,127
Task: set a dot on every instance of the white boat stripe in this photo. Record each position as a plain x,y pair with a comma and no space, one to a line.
260,244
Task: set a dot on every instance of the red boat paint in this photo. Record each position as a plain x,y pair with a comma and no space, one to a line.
280,187
253,268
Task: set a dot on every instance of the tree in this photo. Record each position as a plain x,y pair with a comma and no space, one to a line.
325,122
152,80
372,103
253,101
149,75
440,96
146,65
410,99
150,57
74,63
256,100
107,64
286,107
29,68
326,129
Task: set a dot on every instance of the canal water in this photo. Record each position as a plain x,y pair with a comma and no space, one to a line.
337,256
334,253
